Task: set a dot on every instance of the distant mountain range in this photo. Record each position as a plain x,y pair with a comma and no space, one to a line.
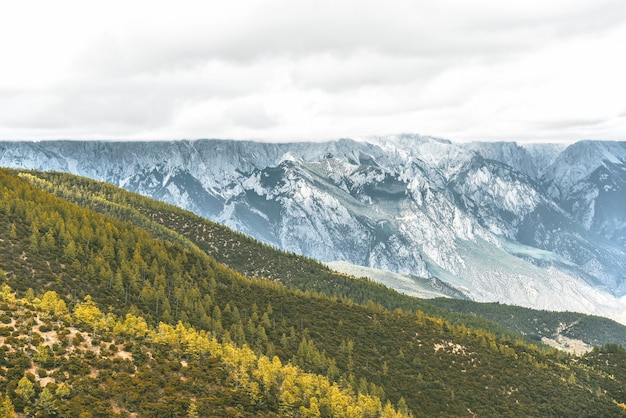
540,226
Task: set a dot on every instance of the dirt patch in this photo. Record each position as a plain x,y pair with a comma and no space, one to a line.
455,348
569,345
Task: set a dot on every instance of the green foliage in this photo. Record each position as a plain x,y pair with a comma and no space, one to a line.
166,324
25,389
47,403
593,330
192,412
188,371
6,407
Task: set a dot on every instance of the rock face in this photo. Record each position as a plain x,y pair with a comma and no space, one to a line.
541,226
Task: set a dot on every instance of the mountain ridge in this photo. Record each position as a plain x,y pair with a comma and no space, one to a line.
408,204
254,259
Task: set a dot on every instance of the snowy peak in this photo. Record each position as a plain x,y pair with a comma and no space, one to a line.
509,153
580,160
588,179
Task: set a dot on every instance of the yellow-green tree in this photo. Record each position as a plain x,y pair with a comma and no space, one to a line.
6,293
25,389
49,302
192,411
6,407
47,403
88,313
62,390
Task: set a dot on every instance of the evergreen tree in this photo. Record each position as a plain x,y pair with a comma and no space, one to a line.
47,403
192,411
6,407
25,389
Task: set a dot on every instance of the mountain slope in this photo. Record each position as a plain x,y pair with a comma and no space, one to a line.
585,179
381,354
254,259
589,180
111,366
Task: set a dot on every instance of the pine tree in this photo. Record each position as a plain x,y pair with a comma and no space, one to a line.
13,232
62,390
192,412
25,389
6,407
47,403
402,407
34,239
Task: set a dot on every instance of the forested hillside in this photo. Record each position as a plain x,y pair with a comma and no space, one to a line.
244,343
89,363
254,259
593,330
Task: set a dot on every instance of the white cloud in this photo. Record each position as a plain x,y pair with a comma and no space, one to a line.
313,69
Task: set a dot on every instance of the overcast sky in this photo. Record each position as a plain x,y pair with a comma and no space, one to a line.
538,71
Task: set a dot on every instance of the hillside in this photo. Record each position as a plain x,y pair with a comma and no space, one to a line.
95,364
417,362
254,259
592,330
241,253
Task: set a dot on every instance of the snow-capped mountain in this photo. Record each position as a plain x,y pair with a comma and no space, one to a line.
538,226
589,181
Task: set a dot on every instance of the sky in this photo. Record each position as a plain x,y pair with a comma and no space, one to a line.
526,71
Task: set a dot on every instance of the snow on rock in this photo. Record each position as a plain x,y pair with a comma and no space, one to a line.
535,225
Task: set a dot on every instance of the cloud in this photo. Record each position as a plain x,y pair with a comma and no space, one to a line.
569,123
250,115
313,69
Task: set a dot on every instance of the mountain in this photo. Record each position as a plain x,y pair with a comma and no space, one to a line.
118,315
529,159
589,181
484,219
254,259
582,218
